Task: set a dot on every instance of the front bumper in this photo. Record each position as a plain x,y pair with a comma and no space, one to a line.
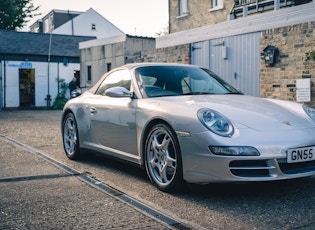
202,166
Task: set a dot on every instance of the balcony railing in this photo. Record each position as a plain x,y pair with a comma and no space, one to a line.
243,8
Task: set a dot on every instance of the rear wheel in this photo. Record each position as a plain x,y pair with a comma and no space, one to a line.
70,137
163,158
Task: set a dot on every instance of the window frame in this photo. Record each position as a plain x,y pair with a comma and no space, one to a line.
216,5
118,76
183,9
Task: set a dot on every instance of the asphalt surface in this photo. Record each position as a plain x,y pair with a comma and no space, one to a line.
36,193
41,189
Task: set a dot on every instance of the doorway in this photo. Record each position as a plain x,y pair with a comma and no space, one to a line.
27,87
235,58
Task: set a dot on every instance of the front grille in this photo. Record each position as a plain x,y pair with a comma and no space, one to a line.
294,168
251,168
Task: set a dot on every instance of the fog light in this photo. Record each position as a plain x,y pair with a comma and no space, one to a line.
234,151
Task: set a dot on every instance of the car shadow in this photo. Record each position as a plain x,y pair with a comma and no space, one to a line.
287,204
250,189
113,164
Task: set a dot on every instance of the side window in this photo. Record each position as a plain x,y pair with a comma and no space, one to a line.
118,78
183,8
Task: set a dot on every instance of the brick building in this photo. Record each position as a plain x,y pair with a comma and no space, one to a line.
230,37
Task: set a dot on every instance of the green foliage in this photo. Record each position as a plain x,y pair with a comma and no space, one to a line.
14,14
310,55
61,98
309,62
59,102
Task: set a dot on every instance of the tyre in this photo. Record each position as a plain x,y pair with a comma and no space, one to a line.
163,160
70,137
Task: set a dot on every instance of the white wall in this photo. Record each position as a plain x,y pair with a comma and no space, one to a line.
41,80
12,84
82,26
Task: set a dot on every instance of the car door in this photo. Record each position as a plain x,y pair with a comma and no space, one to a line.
113,119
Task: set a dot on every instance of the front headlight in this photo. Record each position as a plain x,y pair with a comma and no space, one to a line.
216,122
309,111
234,150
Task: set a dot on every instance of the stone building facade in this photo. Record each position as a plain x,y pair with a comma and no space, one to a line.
278,81
174,54
201,14
292,40
101,55
292,63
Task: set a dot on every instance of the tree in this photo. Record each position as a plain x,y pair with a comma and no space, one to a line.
14,14
165,31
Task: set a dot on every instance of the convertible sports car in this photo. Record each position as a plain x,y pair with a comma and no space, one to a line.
184,123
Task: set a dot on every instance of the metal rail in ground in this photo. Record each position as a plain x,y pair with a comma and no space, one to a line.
113,192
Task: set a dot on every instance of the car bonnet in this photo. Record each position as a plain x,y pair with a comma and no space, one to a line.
253,112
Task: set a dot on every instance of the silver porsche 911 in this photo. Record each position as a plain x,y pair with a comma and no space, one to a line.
184,123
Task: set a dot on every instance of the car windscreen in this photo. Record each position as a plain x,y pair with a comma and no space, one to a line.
157,81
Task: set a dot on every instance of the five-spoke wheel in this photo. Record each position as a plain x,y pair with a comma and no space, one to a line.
163,158
70,137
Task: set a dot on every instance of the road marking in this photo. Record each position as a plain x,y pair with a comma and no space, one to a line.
115,193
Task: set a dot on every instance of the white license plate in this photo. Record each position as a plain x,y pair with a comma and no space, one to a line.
301,154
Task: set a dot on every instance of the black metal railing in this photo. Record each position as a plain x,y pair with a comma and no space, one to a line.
246,7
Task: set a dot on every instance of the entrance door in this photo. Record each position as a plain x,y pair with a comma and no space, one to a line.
27,87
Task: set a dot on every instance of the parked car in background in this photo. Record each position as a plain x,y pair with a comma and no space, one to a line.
184,123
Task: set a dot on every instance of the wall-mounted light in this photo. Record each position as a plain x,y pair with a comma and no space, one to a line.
270,55
224,51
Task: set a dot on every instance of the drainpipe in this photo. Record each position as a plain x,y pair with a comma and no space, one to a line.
58,78
4,82
72,26
48,97
1,73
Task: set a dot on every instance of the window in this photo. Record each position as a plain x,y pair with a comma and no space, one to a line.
118,78
183,8
216,5
93,27
109,67
48,24
89,73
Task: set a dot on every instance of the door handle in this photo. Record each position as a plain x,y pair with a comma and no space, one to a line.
93,110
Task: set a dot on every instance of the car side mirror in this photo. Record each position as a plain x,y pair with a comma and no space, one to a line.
76,92
118,92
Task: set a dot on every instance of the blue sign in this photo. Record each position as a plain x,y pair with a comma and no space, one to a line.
25,65
22,65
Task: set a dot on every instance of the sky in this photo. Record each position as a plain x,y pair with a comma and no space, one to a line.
133,17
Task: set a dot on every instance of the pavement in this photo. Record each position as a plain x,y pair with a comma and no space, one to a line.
38,193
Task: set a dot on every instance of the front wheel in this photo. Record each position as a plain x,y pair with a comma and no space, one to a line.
163,160
70,137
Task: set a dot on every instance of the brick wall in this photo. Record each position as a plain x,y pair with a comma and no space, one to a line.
278,81
200,14
293,42
175,54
